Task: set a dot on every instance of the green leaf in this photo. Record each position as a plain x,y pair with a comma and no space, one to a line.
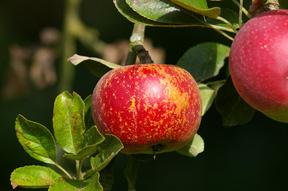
88,114
165,12
194,147
87,103
232,108
131,172
68,122
33,177
231,17
92,138
96,66
92,184
132,16
107,178
199,6
107,151
208,94
36,140
77,59
204,60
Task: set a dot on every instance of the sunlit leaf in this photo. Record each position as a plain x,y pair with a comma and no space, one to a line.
33,177
164,11
92,138
199,6
36,140
208,94
204,60
77,59
194,147
107,151
68,122
92,184
131,15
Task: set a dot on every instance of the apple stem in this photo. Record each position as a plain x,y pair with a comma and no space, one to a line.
137,46
271,5
259,6
142,54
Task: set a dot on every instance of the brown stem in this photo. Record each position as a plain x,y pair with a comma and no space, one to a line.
142,54
137,46
259,6
271,5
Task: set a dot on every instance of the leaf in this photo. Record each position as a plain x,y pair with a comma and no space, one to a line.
68,122
92,184
208,94
230,15
194,147
132,16
204,60
88,114
233,110
96,66
77,59
130,172
87,103
92,138
199,6
107,178
36,140
165,12
33,177
107,151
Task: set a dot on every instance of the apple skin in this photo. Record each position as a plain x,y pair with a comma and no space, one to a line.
151,108
258,63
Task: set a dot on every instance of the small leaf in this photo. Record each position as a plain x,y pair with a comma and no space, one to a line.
77,59
87,102
164,11
36,140
208,94
199,6
107,151
88,114
204,60
92,138
33,177
131,172
92,184
68,122
132,16
107,178
194,147
232,108
231,17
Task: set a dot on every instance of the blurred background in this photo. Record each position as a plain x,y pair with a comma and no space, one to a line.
33,70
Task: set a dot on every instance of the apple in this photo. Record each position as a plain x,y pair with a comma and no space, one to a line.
258,63
151,108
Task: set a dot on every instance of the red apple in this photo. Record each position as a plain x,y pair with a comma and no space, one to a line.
259,63
151,108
